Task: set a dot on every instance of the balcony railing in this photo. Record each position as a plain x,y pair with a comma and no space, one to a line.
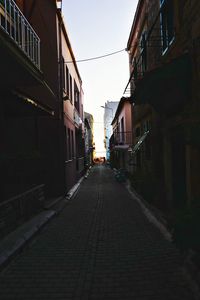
152,46
122,138
14,23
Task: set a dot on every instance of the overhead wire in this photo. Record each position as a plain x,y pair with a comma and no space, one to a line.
96,57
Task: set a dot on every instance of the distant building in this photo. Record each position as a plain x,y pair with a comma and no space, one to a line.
121,140
89,139
109,113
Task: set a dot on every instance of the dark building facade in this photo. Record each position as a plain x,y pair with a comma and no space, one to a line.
29,96
164,65
34,139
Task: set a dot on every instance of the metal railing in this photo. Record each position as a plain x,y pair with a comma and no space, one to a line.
14,23
150,52
20,208
122,138
151,47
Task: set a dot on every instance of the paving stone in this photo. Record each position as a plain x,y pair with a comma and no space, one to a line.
101,246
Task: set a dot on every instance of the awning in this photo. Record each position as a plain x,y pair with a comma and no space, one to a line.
137,146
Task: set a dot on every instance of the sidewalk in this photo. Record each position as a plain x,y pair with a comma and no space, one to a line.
15,241
101,246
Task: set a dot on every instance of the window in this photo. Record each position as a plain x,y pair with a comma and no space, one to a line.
122,130
143,45
135,70
69,144
73,154
66,144
67,80
167,23
76,97
63,74
70,88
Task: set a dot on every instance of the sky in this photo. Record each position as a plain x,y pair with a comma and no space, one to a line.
95,28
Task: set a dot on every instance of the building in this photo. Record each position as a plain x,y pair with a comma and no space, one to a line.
109,112
164,60
72,94
121,141
30,98
35,104
89,139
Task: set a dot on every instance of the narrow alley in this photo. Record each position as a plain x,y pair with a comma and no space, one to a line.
101,246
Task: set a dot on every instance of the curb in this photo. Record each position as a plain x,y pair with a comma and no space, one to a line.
16,240
160,225
52,203
149,214
73,191
154,217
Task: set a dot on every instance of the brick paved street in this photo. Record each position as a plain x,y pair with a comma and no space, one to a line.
101,246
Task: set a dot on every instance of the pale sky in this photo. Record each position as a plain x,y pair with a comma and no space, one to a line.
95,28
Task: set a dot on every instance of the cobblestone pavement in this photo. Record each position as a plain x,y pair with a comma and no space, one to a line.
100,247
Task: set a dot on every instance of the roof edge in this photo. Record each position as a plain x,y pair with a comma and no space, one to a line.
135,20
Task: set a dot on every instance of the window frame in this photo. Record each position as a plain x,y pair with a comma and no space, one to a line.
166,24
70,89
67,80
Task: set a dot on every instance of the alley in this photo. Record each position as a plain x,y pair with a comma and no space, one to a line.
100,246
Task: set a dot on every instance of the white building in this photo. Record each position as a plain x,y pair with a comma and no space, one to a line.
109,113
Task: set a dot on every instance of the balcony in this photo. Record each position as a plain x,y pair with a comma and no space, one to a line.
159,79
15,25
20,46
121,140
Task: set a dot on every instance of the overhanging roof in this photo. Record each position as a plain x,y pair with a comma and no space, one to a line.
136,18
